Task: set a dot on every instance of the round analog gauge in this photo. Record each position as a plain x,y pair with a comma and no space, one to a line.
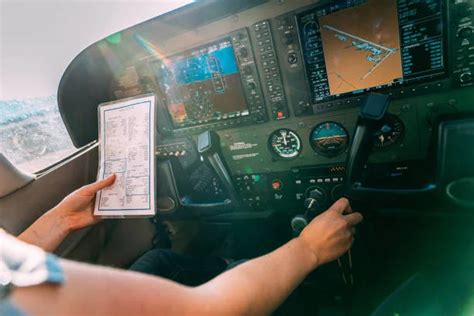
390,133
285,143
329,139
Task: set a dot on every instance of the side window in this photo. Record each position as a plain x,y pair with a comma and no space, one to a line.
38,39
32,133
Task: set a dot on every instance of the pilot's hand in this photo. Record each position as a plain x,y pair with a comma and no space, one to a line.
76,210
331,234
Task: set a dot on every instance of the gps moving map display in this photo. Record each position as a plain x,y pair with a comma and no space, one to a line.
353,46
202,85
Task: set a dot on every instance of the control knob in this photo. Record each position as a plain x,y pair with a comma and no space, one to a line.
298,223
316,194
313,204
292,58
337,192
465,77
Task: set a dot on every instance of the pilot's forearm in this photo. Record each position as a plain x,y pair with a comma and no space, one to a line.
95,290
47,232
256,287
259,286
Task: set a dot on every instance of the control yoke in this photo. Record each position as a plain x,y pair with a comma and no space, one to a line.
371,117
209,148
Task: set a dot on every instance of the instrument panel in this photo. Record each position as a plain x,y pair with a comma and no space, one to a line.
311,60
281,84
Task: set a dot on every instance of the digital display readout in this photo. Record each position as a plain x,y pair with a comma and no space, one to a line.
353,46
202,85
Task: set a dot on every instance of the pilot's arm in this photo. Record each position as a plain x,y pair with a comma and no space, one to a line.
74,212
255,287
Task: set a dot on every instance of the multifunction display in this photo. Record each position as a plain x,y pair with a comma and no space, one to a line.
202,85
353,46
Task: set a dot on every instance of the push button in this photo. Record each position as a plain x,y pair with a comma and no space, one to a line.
276,185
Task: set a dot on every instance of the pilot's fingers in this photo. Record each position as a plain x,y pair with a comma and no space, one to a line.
354,218
348,209
99,185
340,206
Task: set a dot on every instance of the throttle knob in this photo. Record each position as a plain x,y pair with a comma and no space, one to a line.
316,193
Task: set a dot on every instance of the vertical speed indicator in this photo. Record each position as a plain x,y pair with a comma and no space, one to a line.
285,143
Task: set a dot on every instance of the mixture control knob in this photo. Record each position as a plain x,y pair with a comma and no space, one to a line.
465,77
337,192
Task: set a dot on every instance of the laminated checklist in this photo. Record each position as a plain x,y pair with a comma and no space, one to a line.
127,149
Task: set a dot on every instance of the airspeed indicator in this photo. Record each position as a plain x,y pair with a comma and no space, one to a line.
285,143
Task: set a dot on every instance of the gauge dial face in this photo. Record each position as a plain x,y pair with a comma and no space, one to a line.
390,133
329,139
285,143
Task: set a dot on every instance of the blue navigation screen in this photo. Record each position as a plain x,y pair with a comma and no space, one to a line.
202,85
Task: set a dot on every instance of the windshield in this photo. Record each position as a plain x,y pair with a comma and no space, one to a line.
38,39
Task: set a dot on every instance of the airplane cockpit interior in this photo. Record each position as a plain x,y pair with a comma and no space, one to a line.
269,111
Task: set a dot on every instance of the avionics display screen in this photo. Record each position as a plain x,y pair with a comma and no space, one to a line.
202,85
353,46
